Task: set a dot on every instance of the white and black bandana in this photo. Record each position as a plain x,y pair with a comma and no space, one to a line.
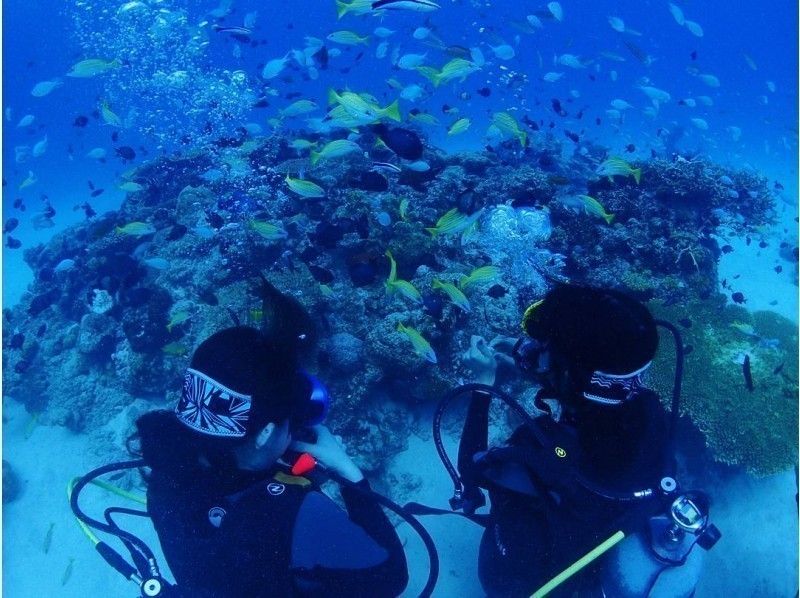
614,389
211,408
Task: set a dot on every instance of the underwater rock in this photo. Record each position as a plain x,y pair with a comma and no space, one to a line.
100,301
96,335
190,206
145,326
42,301
12,484
345,352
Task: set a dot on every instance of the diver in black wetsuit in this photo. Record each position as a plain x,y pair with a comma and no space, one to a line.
231,518
587,468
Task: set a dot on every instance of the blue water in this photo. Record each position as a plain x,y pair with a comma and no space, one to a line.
42,40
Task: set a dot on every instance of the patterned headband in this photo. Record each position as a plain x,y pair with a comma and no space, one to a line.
208,407
614,389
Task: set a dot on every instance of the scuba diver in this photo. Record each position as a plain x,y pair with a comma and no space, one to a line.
235,519
594,467
233,482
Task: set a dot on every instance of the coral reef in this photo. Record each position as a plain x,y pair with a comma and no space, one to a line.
754,428
166,270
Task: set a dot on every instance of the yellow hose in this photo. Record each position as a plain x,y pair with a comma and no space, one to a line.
596,552
106,486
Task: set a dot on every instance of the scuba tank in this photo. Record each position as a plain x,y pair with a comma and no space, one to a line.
660,561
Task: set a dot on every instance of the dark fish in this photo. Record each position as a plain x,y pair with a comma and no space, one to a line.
434,304
597,121
41,330
457,51
321,275
292,95
176,232
637,52
738,297
748,376
42,301
403,142
22,366
321,56
763,244
19,204
327,234
10,225
579,115
630,148
17,340
97,192
748,240
530,122
362,270
359,56
778,186
778,269
261,103
13,243
497,291
774,302
88,211
371,181
557,108
125,152
215,220
91,185
685,322
115,136
208,296
693,55
80,121
653,153
726,248
778,369
574,137
484,92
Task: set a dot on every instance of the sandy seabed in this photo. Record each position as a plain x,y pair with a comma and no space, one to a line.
757,555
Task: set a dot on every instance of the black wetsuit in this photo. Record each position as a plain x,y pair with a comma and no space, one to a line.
270,534
542,517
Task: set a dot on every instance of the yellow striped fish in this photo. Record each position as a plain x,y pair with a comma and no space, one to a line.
479,275
304,188
421,346
456,296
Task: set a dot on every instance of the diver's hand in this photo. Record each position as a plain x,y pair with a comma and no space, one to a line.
480,358
329,450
